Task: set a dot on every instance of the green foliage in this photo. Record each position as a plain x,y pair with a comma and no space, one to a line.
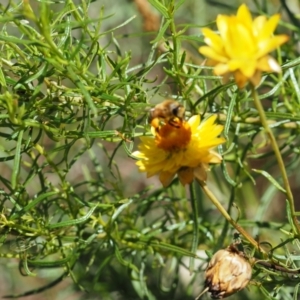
74,100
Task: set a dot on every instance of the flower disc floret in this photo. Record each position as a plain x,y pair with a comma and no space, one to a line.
172,138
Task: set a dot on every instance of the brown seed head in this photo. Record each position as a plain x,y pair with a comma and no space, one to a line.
227,273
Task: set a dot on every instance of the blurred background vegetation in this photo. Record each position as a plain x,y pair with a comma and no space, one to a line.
77,220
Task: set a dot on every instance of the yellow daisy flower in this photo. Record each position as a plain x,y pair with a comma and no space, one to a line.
241,48
185,149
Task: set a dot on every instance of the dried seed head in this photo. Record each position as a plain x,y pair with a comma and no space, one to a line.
227,273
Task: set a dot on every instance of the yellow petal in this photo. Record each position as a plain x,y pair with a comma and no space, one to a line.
240,79
152,170
267,64
266,46
136,153
210,62
268,28
186,175
246,66
244,15
258,24
215,157
274,66
165,178
249,68
226,78
221,69
153,130
213,40
211,53
141,166
200,172
255,79
194,122
241,42
223,25
147,139
208,123
215,142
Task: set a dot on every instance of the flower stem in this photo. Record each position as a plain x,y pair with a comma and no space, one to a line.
223,211
195,240
278,156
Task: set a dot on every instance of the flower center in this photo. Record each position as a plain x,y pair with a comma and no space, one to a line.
173,136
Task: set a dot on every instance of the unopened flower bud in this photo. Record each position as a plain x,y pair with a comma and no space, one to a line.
227,273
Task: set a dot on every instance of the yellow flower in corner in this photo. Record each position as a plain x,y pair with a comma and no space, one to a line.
180,147
241,48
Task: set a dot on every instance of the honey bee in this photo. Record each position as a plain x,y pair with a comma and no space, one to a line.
168,112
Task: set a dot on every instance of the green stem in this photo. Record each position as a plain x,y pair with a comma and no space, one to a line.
195,209
225,214
176,47
278,156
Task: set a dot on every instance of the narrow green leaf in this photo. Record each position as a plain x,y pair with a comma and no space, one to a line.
161,32
178,4
173,248
295,84
123,261
290,217
224,169
229,115
193,38
293,63
14,40
270,178
36,75
49,264
120,209
16,167
26,268
160,7
73,222
76,80
32,204
2,78
275,88
295,296
117,27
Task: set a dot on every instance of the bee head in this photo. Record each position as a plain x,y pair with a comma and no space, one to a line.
167,110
